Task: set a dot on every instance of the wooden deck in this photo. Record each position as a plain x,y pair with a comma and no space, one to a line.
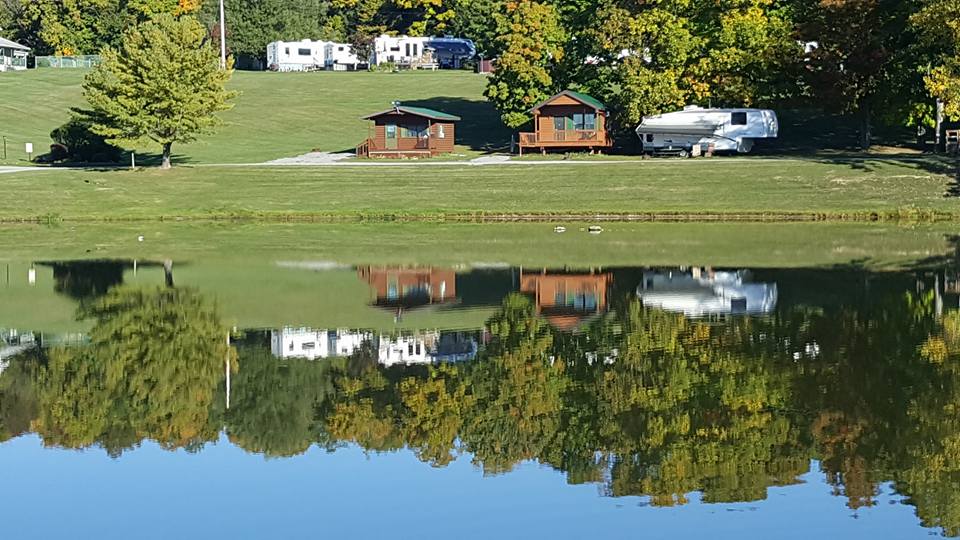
586,139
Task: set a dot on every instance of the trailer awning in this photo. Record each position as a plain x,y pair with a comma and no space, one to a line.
680,129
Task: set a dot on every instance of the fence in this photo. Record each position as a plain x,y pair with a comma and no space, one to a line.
68,62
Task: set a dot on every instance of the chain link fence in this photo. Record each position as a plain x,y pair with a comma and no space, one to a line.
68,62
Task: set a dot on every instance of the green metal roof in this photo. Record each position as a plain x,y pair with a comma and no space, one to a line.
582,98
418,111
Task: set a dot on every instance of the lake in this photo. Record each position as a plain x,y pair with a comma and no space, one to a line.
499,380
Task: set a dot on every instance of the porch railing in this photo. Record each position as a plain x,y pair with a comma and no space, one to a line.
567,135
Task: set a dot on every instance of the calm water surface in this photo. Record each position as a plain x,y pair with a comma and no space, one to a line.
169,398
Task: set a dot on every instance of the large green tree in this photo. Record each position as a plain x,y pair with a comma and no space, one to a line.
939,24
163,85
531,38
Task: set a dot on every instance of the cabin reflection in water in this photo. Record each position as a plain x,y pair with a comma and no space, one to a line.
406,288
567,299
701,292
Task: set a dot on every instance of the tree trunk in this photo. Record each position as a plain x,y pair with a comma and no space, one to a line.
166,156
865,133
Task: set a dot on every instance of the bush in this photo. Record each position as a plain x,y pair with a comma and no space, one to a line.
75,142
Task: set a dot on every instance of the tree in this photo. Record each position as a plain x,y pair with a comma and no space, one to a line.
864,62
163,85
532,40
939,25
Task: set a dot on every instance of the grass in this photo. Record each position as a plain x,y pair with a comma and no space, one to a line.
742,188
277,114
242,266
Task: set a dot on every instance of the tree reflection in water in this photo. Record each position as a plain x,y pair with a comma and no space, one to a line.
641,401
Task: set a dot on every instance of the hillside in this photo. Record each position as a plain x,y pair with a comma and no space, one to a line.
276,115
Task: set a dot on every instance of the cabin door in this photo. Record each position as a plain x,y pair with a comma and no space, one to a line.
391,136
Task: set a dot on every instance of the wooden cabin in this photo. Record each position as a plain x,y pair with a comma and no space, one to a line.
404,131
565,299
568,121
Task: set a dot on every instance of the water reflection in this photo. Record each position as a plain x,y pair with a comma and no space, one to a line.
644,381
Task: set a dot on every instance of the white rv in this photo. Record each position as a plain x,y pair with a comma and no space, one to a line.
423,52
340,57
304,55
726,130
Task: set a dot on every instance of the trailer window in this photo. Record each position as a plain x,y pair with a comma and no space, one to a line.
649,137
739,119
303,52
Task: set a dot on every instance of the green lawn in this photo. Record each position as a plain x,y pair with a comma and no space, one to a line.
277,114
716,189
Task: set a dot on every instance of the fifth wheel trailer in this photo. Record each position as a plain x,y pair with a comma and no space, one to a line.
720,130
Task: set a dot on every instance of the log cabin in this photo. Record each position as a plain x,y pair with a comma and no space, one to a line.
403,131
568,121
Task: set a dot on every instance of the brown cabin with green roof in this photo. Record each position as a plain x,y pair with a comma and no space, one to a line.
568,121
403,131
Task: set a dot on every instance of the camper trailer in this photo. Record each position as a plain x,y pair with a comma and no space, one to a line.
340,57
696,130
423,52
703,292
303,55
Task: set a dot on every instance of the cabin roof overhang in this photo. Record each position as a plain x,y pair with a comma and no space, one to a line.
585,99
7,44
422,112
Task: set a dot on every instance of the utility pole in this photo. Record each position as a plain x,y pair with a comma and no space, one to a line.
223,40
938,137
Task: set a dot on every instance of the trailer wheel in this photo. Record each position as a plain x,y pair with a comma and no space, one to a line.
683,153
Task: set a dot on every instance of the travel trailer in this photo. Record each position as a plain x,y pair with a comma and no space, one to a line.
304,55
423,52
696,130
340,57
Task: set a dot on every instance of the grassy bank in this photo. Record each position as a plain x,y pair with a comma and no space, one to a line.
276,115
748,188
770,245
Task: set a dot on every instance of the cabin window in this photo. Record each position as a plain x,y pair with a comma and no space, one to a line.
391,131
585,121
303,52
441,132
413,132
559,123
738,119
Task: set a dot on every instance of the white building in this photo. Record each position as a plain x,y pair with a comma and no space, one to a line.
13,56
726,130
303,55
312,344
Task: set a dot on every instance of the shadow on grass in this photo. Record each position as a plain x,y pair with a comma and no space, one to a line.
480,127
